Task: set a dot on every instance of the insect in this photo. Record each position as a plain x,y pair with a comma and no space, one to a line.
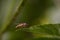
21,25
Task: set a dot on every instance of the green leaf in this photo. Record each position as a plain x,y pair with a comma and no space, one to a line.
8,11
42,32
36,32
47,30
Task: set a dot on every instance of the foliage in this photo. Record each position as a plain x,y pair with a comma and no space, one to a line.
32,12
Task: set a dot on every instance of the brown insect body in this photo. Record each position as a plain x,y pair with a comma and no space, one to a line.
21,25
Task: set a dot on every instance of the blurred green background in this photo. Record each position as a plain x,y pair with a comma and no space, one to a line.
42,17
